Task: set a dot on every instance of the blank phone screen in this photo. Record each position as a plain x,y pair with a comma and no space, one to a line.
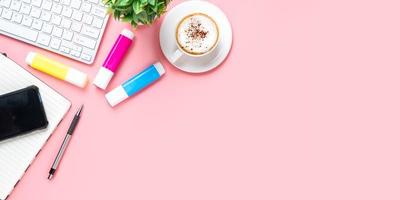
21,112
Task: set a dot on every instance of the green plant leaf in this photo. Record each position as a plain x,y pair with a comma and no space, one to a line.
124,2
137,7
136,12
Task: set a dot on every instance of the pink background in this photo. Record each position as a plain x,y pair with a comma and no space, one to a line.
307,106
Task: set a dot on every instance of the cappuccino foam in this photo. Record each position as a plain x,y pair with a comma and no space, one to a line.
197,34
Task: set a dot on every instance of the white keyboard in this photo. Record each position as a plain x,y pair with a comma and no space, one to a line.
72,28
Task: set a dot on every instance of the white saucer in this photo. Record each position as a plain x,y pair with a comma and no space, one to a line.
168,43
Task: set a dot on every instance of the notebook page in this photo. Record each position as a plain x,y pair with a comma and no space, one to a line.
16,154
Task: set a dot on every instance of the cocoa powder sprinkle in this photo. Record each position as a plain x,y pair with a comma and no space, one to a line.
195,30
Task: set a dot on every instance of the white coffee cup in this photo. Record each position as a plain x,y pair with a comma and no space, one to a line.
196,35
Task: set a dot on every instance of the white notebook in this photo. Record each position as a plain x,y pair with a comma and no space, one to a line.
16,154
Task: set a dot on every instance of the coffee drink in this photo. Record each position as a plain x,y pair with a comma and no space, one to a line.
197,34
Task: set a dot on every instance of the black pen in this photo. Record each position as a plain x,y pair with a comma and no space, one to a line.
65,143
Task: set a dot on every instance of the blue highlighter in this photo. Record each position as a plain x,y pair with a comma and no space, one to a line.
135,84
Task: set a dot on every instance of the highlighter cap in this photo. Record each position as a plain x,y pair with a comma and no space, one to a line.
29,58
103,77
127,33
160,68
76,77
116,96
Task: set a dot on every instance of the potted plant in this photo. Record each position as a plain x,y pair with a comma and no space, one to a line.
137,12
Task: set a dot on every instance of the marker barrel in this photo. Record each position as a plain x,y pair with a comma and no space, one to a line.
56,69
135,84
113,59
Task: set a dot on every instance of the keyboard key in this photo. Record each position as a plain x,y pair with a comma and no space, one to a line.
98,11
43,39
91,32
75,53
57,31
66,2
66,23
55,19
84,41
7,14
35,12
67,11
16,5
37,24
18,30
57,8
64,49
76,15
86,57
47,5
98,23
27,1
67,35
47,28
76,4
76,48
16,18
45,16
5,3
27,21
25,9
94,1
76,26
37,3
85,7
67,44
55,43
87,19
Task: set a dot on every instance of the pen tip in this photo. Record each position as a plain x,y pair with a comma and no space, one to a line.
50,176
79,110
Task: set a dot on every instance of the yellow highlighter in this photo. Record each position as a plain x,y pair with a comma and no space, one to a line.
56,69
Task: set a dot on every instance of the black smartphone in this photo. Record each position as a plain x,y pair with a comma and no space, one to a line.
21,112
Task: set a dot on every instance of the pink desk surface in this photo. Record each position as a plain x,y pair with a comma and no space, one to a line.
307,106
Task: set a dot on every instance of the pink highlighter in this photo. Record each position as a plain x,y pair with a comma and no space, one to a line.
113,59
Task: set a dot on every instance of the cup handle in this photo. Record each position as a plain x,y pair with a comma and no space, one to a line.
176,56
